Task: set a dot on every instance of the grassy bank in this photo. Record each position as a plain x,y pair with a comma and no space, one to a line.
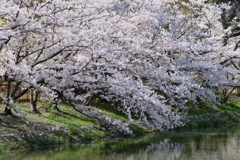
208,116
51,128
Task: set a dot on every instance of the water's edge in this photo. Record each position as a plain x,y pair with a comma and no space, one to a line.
46,139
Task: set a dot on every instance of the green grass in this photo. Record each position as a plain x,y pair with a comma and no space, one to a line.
72,127
48,116
233,105
201,109
109,110
226,113
75,127
68,118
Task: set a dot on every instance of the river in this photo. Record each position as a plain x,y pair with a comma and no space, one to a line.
222,143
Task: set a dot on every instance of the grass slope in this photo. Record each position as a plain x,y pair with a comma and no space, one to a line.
51,128
207,116
48,128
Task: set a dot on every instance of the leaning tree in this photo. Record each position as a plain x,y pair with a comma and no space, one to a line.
145,57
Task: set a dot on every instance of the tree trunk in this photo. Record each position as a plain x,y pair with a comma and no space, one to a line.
33,100
55,107
7,111
227,93
89,101
34,107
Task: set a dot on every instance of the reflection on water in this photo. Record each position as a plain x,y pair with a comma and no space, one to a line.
206,144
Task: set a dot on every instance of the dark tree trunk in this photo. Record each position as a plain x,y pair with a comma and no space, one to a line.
7,111
55,107
34,107
33,100
227,93
89,101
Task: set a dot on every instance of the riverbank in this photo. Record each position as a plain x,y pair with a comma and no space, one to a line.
207,116
51,128
206,143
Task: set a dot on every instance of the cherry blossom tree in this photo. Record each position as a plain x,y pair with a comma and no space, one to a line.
147,58
219,25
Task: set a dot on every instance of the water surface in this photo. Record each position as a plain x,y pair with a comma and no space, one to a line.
221,143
